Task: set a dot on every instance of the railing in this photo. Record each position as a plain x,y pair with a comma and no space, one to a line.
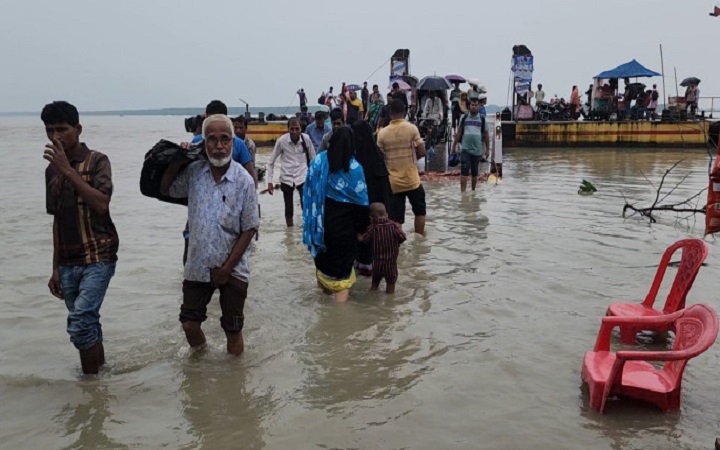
703,102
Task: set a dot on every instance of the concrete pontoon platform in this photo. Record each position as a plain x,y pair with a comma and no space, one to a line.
608,134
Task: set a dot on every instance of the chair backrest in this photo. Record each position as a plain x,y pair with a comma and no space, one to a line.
695,331
694,252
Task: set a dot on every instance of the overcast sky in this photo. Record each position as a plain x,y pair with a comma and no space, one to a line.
134,54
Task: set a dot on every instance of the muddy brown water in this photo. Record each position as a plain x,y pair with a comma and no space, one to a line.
481,346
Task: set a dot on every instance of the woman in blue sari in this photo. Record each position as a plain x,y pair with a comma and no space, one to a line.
335,210
377,178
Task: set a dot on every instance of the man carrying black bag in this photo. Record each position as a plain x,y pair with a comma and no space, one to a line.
223,218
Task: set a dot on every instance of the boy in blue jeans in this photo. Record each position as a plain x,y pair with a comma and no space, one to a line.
78,184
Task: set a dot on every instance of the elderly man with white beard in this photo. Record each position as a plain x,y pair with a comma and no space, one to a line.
223,218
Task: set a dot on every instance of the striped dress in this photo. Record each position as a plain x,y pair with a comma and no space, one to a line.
386,237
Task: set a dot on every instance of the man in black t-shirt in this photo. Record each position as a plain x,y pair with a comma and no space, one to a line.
384,114
397,94
364,96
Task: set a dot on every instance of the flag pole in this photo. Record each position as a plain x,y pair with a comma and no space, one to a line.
662,67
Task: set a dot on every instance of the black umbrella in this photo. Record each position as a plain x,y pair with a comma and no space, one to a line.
455,78
692,81
434,83
410,79
635,87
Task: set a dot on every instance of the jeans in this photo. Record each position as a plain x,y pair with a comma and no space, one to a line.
469,164
84,289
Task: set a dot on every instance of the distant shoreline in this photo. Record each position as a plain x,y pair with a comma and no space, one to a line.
277,110
190,111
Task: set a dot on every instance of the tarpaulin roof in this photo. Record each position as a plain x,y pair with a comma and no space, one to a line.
628,70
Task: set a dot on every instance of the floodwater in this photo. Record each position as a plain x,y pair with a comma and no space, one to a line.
481,346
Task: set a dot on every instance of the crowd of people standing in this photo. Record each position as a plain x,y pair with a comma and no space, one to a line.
352,190
353,176
634,102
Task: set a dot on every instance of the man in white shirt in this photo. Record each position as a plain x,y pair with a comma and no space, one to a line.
432,108
539,96
295,150
330,98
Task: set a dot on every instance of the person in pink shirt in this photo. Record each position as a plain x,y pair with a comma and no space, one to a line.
575,101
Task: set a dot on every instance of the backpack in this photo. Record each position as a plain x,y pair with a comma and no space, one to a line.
305,149
157,160
655,95
462,125
321,100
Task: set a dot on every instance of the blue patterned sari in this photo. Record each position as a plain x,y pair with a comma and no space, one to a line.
340,186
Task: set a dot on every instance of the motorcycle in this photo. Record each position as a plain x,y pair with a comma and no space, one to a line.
557,111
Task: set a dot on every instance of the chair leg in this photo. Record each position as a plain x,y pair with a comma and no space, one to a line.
627,335
595,390
672,400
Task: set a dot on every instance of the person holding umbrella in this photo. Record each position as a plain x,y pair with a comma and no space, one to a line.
692,92
691,98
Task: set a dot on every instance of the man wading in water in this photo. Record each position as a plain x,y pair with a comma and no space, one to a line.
472,135
223,218
78,185
295,151
401,144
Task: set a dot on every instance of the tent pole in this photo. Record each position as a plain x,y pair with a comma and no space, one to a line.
512,87
677,93
662,67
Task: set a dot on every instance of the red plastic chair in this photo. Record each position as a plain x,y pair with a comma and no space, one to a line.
694,252
627,373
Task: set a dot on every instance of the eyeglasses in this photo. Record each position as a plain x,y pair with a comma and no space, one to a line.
212,141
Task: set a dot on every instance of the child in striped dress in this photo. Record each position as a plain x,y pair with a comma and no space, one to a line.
386,237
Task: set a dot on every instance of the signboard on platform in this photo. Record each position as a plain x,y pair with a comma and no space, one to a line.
399,68
523,67
399,64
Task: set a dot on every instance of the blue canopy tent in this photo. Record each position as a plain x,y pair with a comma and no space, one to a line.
630,69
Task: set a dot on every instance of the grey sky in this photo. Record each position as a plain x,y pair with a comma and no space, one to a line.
134,54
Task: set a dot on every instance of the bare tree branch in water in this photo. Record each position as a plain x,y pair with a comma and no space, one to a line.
685,206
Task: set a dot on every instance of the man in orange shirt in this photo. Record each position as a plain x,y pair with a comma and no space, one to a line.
402,145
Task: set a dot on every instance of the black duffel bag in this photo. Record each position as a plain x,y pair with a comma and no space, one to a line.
157,160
